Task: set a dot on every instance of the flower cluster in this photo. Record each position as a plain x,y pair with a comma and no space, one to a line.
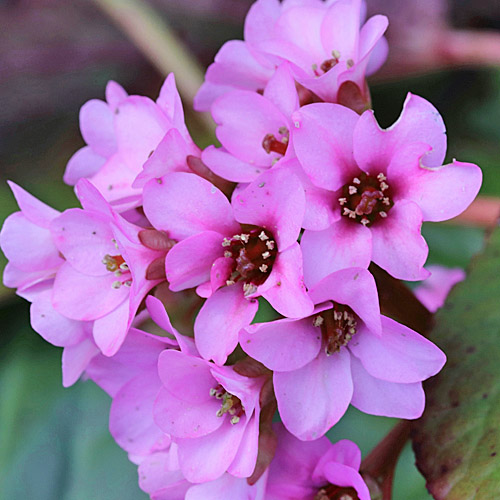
305,191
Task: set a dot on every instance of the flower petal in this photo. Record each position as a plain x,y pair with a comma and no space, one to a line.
219,321
314,398
398,355
75,359
96,124
184,204
84,163
387,399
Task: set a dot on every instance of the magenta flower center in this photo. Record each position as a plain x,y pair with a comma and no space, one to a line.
366,199
333,492
230,404
116,264
273,144
338,325
253,255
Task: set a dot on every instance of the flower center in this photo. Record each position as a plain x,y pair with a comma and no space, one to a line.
366,199
116,264
338,325
333,492
328,64
230,404
271,144
253,254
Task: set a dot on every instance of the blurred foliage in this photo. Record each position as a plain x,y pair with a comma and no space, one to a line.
55,441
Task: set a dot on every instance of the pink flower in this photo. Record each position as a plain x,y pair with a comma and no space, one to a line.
104,277
384,184
212,414
346,352
316,470
433,291
160,476
34,260
253,129
232,254
122,133
29,263
322,40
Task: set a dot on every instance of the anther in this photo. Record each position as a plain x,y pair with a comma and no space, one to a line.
263,268
352,190
128,283
336,54
266,255
116,284
384,186
318,320
386,201
356,181
263,236
234,419
249,289
230,282
226,242
342,201
365,221
244,238
227,253
383,214
381,177
270,244
124,266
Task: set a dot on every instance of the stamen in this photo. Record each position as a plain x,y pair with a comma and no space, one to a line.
263,268
227,254
270,244
356,181
245,238
383,214
342,201
266,255
263,236
352,190
116,284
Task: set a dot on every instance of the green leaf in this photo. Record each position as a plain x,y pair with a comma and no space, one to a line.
457,441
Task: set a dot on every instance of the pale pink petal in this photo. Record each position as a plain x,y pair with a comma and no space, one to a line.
185,204
84,163
184,407
322,138
267,204
344,452
243,464
344,244
208,457
315,397
288,295
219,321
75,359
346,477
354,287
32,208
398,355
188,263
84,239
115,94
372,43
340,28
220,272
259,22
387,399
236,66
281,90
226,487
434,290
13,277
208,94
109,331
259,116
169,156
131,416
28,246
82,297
282,345
170,102
398,246
419,122
140,125
229,167
52,326
96,125
442,193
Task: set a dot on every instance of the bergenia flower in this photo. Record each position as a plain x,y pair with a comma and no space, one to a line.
160,476
232,254
317,470
345,352
212,414
384,182
122,133
253,129
433,291
104,278
29,263
34,260
324,41
329,51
